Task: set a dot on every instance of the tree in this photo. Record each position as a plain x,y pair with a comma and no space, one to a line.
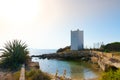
15,53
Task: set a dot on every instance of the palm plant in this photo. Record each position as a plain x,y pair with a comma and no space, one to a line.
15,53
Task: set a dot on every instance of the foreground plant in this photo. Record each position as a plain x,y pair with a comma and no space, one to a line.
111,75
37,74
15,53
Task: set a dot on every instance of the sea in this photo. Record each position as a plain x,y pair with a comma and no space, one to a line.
75,69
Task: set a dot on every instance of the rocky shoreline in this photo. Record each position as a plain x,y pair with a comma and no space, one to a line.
85,56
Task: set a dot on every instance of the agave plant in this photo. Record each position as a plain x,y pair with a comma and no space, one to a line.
15,53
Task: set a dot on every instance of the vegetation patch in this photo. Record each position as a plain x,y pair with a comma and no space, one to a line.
16,75
36,74
115,46
67,48
111,75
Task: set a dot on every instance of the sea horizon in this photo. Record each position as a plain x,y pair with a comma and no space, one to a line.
41,51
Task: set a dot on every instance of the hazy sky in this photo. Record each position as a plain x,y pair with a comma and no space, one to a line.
46,24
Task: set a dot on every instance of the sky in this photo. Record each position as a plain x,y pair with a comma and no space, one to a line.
46,24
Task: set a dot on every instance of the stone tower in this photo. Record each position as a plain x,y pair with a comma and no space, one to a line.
77,41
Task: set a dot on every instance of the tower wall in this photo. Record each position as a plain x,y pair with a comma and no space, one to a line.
77,40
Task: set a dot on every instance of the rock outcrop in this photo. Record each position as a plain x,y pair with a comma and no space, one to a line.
106,60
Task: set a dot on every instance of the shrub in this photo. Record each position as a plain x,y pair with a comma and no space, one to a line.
111,75
37,75
15,53
115,46
16,75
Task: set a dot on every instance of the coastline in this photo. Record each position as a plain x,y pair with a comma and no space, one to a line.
62,59
72,79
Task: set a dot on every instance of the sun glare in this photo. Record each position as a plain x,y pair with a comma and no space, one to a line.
19,10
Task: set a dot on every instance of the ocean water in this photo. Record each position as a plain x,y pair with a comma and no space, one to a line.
74,69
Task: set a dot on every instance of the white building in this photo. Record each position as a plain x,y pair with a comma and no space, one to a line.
77,41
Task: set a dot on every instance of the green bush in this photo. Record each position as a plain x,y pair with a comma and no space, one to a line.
15,53
111,75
